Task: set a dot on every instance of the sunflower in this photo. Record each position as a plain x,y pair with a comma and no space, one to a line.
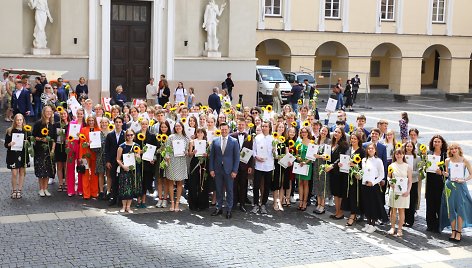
269,108
136,149
45,131
298,147
440,163
27,128
108,115
250,125
291,143
60,109
164,137
82,136
263,109
70,138
390,169
165,105
351,127
294,124
317,92
204,108
221,97
227,103
282,139
300,102
182,103
249,137
183,120
141,136
238,106
357,159
227,111
398,145
422,147
152,122
111,127
327,157
217,132
306,123
140,119
173,109
312,141
275,135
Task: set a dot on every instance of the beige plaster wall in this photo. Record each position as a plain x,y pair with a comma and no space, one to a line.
74,16
304,16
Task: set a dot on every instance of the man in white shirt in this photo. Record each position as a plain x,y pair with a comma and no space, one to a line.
151,92
263,154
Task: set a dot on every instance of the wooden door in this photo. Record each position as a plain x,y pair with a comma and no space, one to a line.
130,49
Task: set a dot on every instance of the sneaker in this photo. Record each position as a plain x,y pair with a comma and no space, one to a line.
51,181
183,200
331,202
255,209
47,193
159,204
263,210
371,229
292,200
365,228
41,193
164,203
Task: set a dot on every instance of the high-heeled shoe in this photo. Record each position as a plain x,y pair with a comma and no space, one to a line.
276,206
176,207
353,220
391,231
280,205
171,206
453,236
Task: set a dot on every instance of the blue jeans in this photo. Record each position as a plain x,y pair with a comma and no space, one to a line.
294,106
340,97
37,108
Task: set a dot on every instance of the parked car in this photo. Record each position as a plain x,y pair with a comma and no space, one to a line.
267,77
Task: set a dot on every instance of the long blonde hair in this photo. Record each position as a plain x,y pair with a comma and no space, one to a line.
13,124
44,120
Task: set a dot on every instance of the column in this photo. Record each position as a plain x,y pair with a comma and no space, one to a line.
170,39
360,65
287,17
345,16
429,19
106,20
92,64
410,76
449,17
453,78
261,16
399,17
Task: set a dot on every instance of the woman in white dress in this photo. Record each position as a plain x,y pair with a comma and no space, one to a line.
399,171
277,98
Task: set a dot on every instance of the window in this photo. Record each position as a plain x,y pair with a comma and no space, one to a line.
332,9
375,68
439,8
128,13
274,63
388,10
272,8
326,68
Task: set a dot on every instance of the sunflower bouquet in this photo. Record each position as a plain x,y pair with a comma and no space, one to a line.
322,170
163,149
355,172
29,142
392,181
423,164
314,100
46,146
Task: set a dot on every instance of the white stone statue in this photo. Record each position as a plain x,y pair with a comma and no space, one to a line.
210,22
41,15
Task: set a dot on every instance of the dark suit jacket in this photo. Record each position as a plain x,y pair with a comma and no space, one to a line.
214,102
111,146
227,162
247,144
22,104
381,153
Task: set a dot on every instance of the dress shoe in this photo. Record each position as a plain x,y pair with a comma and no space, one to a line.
217,212
228,215
242,208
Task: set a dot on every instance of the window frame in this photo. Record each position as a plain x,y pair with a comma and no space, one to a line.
435,15
272,8
331,3
387,4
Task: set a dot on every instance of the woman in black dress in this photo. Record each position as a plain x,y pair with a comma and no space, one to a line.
338,180
17,160
198,183
45,136
352,202
60,156
435,184
142,138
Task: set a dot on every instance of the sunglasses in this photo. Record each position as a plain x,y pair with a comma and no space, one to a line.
254,112
47,87
129,135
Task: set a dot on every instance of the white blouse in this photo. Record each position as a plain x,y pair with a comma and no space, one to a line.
373,170
263,148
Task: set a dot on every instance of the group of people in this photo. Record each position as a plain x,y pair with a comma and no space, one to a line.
209,152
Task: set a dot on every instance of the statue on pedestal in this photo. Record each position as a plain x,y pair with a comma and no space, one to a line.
210,23
41,15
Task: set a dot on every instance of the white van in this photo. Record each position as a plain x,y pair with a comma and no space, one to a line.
267,77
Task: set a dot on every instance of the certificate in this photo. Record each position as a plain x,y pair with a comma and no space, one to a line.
135,126
327,151
369,174
409,160
245,155
74,105
18,139
331,105
189,131
179,148
262,152
300,170
148,155
401,186
200,147
287,160
344,160
210,136
95,139
456,171
129,160
74,130
60,135
312,151
434,159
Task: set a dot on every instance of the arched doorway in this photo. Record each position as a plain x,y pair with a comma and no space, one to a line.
386,67
330,58
274,52
435,67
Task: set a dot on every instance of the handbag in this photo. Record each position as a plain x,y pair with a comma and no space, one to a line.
336,90
80,169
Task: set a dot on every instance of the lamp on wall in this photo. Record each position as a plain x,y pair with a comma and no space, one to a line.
185,43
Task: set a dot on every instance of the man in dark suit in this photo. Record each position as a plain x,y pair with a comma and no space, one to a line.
240,184
21,100
224,164
214,101
355,82
112,141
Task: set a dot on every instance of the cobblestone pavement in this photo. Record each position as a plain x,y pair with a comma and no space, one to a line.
63,231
